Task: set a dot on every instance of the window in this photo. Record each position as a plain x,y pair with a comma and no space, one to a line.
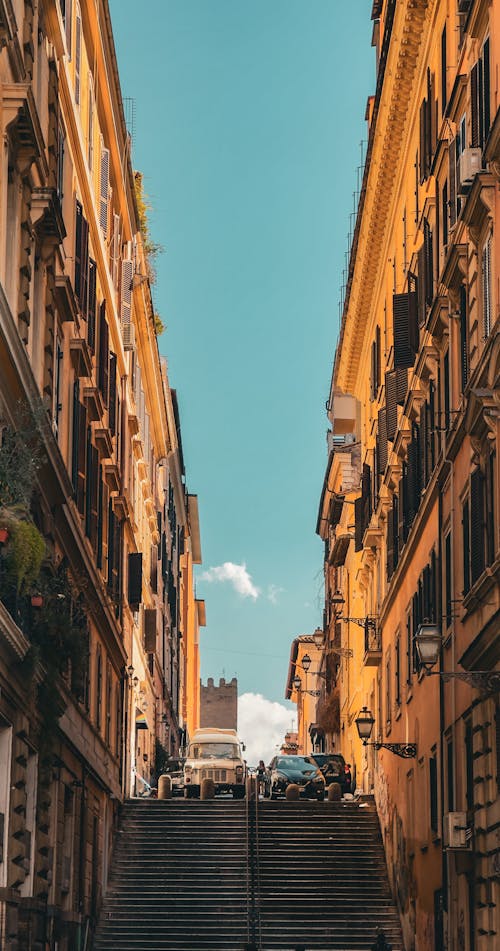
450,774
57,405
388,711
78,54
118,719
60,165
444,97
464,353
98,696
66,12
486,287
491,508
447,579
109,687
90,124
466,544
397,670
446,390
469,766
480,98
477,525
444,213
433,792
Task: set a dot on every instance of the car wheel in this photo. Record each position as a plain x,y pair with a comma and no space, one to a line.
273,794
320,795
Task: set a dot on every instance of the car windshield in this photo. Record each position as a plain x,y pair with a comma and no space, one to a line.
326,759
294,762
214,751
174,766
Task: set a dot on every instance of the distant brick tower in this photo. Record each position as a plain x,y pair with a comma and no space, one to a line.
219,705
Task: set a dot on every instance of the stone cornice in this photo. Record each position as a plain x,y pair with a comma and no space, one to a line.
407,40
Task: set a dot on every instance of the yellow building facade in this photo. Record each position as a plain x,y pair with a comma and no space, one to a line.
99,626
410,502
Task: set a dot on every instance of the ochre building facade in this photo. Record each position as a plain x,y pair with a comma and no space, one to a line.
99,625
409,511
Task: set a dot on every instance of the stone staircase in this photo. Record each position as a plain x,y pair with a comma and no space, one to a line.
179,879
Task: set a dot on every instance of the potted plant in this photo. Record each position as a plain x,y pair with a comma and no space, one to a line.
4,535
37,600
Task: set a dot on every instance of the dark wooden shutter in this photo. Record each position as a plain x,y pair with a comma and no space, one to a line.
88,482
112,393
358,523
452,178
91,310
373,372
464,356
476,524
103,354
421,289
486,91
444,95
390,545
423,143
100,519
111,546
391,404
366,492
404,507
429,264
405,317
150,630
474,106
401,385
94,497
75,435
164,557
135,579
82,458
382,437
395,528
78,249
154,569
424,455
466,545
378,358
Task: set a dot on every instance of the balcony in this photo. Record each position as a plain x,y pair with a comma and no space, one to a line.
373,645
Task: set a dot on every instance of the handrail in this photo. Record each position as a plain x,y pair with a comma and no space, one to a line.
247,862
258,935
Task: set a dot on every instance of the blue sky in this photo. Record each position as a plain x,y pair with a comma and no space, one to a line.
248,122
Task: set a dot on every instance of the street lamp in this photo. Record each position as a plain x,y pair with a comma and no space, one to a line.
364,724
297,683
306,663
318,638
429,641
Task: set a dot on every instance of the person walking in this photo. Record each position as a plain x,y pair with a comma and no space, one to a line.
261,777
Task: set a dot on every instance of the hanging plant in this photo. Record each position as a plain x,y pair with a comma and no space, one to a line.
25,553
21,455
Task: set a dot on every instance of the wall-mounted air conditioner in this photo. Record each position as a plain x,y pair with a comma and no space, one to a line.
470,163
128,334
457,833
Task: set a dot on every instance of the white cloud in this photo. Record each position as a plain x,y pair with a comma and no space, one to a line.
237,575
273,593
262,725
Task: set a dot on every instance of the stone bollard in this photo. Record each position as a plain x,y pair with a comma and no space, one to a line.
292,792
164,787
334,792
207,789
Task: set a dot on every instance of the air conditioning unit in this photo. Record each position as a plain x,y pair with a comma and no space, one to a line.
457,833
470,163
128,334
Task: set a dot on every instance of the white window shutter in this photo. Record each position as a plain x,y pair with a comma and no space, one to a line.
78,54
104,190
127,276
115,250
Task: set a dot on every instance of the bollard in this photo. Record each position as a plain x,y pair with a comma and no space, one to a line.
334,792
164,787
251,789
292,792
207,789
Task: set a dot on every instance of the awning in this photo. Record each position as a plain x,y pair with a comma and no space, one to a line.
140,722
339,550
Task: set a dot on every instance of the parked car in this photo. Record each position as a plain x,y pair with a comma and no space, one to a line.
175,769
334,769
217,755
302,770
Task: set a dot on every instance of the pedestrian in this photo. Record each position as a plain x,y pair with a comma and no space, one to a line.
348,777
261,777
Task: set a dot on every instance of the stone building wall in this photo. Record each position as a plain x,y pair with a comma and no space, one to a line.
219,705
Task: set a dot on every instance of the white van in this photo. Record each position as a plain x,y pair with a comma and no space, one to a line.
217,755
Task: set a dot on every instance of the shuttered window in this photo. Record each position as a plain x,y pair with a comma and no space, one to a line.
391,404
382,440
78,53
464,354
75,432
406,336
433,793
359,525
150,630
91,310
452,179
466,545
103,369
491,508
390,545
444,93
480,98
81,258
486,287
447,579
477,546
112,407
134,591
104,190
82,458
